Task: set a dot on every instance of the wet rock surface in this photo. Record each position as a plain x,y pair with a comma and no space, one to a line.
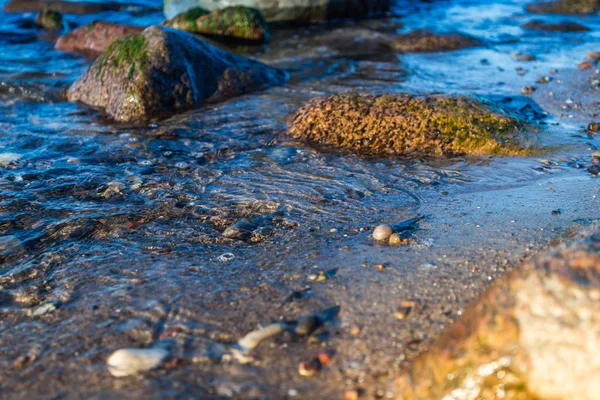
161,71
232,23
564,26
533,334
405,124
93,39
425,41
564,7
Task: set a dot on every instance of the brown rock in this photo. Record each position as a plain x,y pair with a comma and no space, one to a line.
424,41
535,334
92,39
568,7
407,124
67,7
149,75
564,26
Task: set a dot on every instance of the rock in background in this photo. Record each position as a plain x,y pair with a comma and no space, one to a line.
288,10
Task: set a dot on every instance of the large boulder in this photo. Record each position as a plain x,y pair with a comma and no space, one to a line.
568,7
407,124
288,10
237,23
160,71
535,334
92,39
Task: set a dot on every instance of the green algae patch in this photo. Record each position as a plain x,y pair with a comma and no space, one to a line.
236,22
407,124
129,54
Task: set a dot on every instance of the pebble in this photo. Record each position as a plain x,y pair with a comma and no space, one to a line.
252,339
44,309
395,239
527,90
593,127
126,362
382,232
404,310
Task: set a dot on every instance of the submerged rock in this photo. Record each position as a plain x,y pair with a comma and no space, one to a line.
535,334
288,10
564,26
230,23
49,19
160,71
405,124
565,7
424,41
92,39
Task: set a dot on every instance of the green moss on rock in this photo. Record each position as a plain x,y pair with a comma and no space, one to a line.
405,124
236,22
128,54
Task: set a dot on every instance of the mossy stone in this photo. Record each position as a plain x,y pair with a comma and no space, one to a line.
408,124
236,22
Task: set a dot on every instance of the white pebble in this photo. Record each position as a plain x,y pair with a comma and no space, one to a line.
382,232
125,362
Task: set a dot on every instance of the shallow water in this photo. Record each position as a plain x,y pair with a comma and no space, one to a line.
120,227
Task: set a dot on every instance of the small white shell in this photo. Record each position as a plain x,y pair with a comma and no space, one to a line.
125,362
382,232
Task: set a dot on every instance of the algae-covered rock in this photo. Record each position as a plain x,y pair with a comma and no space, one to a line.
159,71
424,41
288,10
534,335
237,22
49,19
404,124
92,39
568,7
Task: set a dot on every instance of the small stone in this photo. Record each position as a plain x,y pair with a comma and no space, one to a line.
405,309
527,90
522,56
125,362
44,309
395,239
558,211
382,232
351,394
586,65
592,127
379,267
309,368
594,169
355,331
